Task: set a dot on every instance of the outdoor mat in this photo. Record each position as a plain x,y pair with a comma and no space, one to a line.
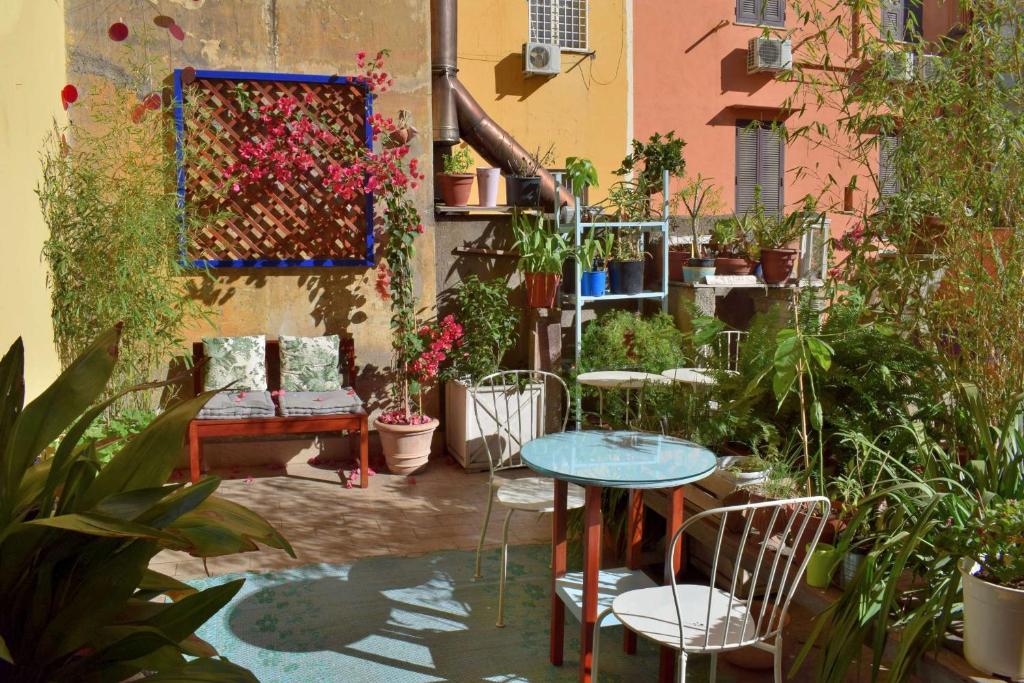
410,619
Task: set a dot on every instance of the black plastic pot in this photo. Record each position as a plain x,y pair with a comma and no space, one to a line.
627,277
522,191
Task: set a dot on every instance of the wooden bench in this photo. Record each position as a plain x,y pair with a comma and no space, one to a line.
355,423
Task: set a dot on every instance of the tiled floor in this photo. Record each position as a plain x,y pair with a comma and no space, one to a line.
441,508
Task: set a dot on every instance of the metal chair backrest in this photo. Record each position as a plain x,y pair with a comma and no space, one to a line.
776,543
725,350
513,407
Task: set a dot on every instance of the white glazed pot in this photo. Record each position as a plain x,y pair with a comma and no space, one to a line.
736,477
993,624
487,185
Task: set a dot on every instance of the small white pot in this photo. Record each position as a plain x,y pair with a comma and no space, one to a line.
487,185
993,624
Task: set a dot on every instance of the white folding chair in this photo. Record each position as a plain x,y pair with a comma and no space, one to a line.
705,619
725,350
512,407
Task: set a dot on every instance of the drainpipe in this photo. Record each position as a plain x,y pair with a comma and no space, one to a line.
458,115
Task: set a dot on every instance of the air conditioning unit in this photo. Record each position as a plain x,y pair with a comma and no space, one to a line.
769,54
928,67
540,59
899,66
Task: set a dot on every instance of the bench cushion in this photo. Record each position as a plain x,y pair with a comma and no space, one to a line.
236,361
308,403
226,405
309,363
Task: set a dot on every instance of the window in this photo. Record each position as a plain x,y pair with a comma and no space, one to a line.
888,178
759,163
761,12
901,20
559,22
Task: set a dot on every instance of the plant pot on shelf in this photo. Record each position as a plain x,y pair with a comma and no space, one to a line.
733,265
993,624
698,268
736,471
676,262
542,289
849,565
627,277
522,190
593,283
465,433
455,188
406,447
777,265
487,185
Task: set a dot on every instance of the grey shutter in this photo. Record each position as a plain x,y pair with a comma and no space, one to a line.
746,165
888,179
769,12
770,168
893,19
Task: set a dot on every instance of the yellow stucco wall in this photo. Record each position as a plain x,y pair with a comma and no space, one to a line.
583,111
31,76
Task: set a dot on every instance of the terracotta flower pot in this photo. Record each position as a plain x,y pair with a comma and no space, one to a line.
777,264
542,289
406,447
455,188
676,261
731,265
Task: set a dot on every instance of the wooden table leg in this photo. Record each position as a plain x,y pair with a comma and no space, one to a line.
591,568
635,529
558,548
674,520
364,453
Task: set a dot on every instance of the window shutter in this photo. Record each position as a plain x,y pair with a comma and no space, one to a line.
770,168
894,23
746,166
746,11
888,179
775,12
769,12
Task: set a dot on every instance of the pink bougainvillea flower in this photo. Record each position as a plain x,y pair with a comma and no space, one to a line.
177,31
118,31
411,481
152,101
163,21
68,95
139,113
249,479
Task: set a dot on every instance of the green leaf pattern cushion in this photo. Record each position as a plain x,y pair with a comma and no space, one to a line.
241,360
310,363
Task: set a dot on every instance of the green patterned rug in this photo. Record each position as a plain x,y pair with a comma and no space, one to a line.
401,619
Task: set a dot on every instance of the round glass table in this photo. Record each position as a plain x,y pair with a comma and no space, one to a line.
637,461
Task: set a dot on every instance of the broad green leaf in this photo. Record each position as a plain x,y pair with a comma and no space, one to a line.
54,410
159,583
149,458
205,670
31,488
817,419
182,618
99,525
178,503
820,352
12,388
5,654
131,504
221,527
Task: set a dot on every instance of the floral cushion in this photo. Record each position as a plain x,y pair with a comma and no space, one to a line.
238,361
310,363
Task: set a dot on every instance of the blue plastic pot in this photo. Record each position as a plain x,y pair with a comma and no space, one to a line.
593,283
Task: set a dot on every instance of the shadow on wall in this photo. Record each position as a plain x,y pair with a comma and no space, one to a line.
735,77
510,81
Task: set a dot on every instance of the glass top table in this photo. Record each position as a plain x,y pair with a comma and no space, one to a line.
630,460
637,461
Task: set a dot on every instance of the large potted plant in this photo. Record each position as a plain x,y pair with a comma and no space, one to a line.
700,197
542,251
80,599
774,235
626,266
522,188
730,242
491,324
593,251
993,578
456,182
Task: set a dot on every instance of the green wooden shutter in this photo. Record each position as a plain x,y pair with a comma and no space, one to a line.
888,179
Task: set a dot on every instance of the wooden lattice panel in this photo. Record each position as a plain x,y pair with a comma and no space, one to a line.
270,223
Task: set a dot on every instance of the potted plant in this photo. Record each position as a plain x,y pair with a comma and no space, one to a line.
993,584
659,154
626,267
700,197
774,235
582,174
742,470
731,244
491,324
522,188
592,251
456,182
542,251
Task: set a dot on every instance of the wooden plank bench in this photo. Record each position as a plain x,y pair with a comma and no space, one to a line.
354,423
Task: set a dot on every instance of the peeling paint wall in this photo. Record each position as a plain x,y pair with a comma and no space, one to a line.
292,36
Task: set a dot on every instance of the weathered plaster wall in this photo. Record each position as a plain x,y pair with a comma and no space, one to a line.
31,76
583,111
292,36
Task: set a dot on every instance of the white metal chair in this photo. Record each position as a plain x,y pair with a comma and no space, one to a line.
725,348
705,619
512,407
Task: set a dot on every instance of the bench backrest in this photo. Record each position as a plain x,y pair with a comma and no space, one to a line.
346,363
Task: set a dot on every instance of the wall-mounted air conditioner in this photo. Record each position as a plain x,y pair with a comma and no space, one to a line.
540,59
899,66
769,54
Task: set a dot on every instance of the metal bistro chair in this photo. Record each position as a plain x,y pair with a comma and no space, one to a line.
512,408
725,348
705,619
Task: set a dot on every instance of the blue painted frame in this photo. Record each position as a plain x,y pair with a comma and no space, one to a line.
179,152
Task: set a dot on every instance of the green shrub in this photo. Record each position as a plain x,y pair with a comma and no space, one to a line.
490,326
621,340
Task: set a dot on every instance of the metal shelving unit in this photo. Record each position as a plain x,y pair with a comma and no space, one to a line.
579,301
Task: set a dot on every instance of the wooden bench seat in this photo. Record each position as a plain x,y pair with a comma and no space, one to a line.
354,423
